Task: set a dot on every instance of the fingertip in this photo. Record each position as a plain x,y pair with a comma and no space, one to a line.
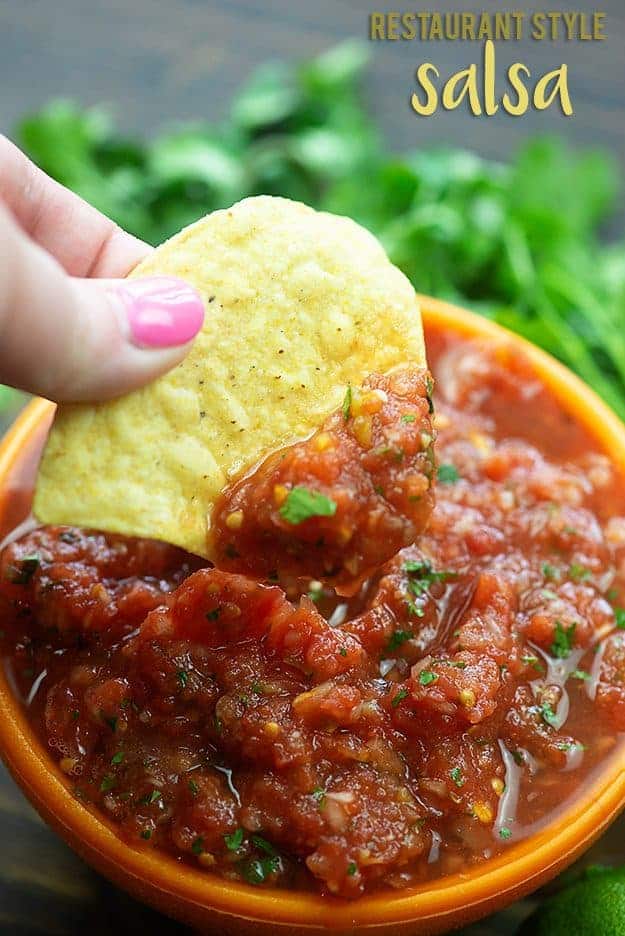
160,311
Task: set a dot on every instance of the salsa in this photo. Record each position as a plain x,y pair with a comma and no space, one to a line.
339,504
275,730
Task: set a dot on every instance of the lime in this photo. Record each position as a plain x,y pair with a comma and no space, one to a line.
594,906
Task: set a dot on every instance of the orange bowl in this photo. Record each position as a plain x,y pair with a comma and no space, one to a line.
212,904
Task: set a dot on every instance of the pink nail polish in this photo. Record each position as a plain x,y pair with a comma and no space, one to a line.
161,311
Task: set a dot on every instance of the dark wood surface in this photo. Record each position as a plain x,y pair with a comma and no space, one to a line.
156,61
166,60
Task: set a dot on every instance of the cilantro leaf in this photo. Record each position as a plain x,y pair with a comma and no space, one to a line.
302,503
257,870
263,845
447,474
562,640
426,677
198,845
456,775
398,638
402,694
548,715
234,840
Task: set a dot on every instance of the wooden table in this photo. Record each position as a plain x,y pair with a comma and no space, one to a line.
158,61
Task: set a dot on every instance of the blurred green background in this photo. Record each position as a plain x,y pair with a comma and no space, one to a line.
158,112
519,241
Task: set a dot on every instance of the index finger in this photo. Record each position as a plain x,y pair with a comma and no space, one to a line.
84,241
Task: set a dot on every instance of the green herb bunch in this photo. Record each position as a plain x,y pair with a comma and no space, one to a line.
519,243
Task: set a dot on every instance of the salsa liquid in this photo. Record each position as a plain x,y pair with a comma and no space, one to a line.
450,707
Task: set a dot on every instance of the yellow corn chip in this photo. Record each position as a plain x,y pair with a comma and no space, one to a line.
299,304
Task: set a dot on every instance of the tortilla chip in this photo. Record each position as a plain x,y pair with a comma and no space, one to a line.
299,304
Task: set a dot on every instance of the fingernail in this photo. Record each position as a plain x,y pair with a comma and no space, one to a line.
161,311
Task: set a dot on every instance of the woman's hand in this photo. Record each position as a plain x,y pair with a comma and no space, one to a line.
70,327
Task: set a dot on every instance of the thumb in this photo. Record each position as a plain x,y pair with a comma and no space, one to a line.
71,339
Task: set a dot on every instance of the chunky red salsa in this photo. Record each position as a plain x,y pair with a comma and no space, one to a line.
341,503
275,733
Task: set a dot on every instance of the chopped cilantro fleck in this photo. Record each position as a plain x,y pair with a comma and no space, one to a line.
422,576
448,474
146,834
107,783
183,677
408,418
426,677
194,788
117,758
518,758
398,698
549,571
263,845
347,403
397,638
213,615
75,715
549,594
352,867
319,794
579,573
111,722
505,833
233,841
198,845
301,504
456,775
343,652
562,640
619,617
257,870
580,674
534,662
151,798
548,715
